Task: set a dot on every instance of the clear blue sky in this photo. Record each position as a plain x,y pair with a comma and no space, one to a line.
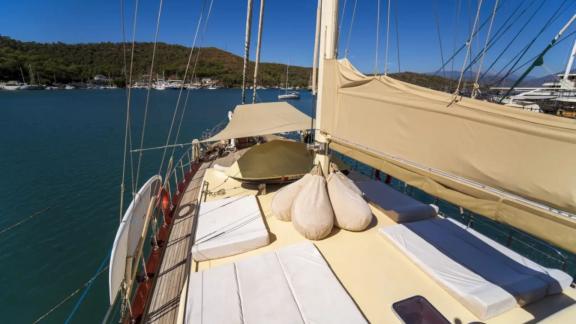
289,27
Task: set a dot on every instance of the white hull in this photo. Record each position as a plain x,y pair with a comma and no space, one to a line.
287,96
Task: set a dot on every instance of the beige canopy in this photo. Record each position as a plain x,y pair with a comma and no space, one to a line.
275,161
514,166
263,119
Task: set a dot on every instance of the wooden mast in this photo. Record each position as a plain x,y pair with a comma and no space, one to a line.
246,48
258,46
328,44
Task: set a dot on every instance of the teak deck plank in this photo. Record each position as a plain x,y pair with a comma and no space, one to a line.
163,306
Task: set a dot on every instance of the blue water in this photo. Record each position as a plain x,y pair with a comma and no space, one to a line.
63,150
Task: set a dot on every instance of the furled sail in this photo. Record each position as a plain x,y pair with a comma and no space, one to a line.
263,119
514,166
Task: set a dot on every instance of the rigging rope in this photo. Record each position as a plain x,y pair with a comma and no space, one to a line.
454,53
476,86
387,39
472,33
86,289
501,32
536,56
127,130
554,16
123,27
193,74
437,19
342,14
513,39
179,96
143,133
67,298
451,58
377,38
24,220
397,35
352,19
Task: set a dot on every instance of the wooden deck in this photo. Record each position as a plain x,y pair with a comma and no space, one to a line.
163,307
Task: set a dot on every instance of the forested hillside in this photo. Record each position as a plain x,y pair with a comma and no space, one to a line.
64,63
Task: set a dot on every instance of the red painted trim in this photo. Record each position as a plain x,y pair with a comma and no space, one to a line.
144,290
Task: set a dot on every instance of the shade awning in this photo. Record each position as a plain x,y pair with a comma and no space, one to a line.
263,119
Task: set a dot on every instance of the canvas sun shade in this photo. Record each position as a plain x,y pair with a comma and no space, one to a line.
275,161
263,119
511,165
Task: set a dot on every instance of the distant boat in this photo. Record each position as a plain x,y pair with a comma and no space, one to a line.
174,84
160,85
11,86
288,95
213,87
32,87
69,87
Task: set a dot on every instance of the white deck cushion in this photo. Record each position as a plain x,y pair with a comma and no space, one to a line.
396,205
229,226
482,277
292,285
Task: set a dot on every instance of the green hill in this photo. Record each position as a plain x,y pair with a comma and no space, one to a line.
64,63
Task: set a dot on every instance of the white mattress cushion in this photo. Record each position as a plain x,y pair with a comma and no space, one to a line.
396,205
229,226
557,280
481,297
318,293
484,279
291,285
212,291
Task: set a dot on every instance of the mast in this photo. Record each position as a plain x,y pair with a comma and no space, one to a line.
570,62
328,43
31,74
246,48
286,83
316,44
258,45
22,74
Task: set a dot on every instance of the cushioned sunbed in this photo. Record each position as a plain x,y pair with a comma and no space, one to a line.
229,226
292,285
486,277
396,205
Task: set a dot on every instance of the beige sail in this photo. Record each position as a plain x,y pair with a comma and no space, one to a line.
510,165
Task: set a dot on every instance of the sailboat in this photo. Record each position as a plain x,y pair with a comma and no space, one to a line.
288,95
249,226
32,85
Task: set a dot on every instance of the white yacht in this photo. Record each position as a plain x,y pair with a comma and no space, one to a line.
11,86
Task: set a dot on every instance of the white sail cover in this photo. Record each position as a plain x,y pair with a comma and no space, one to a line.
129,233
263,119
457,150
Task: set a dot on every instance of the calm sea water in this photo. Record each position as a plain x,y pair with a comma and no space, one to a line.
62,150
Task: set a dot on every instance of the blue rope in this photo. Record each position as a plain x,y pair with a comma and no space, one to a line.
85,292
